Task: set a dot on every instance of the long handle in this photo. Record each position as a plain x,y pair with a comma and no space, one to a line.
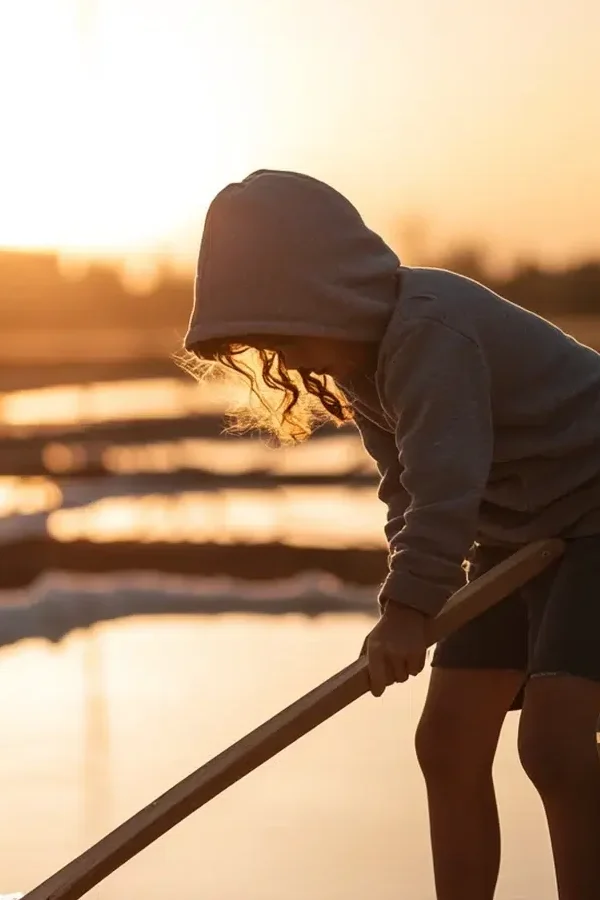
120,845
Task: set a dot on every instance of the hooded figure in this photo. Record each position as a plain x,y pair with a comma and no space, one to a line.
483,418
484,421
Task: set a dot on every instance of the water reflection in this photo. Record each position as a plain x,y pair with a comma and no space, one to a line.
339,455
96,795
109,510
114,401
27,496
177,691
299,516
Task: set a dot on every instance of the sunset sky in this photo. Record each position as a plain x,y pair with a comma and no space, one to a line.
120,119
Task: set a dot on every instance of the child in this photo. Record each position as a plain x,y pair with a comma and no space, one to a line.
484,422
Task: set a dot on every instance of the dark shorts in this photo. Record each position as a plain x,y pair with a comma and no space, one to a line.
549,626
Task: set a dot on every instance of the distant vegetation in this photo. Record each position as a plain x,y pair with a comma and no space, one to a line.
36,295
573,290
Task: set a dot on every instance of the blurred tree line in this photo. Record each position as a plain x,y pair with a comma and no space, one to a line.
36,294
573,290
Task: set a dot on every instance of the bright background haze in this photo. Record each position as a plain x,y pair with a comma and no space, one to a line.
122,118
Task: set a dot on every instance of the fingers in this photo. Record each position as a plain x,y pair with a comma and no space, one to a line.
378,675
387,667
415,662
399,667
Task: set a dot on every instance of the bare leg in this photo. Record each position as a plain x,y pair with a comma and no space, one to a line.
456,742
557,745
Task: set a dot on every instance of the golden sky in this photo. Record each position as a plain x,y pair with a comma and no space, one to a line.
120,119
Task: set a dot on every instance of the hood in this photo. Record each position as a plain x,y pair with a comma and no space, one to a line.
283,253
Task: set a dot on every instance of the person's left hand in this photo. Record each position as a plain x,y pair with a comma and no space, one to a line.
396,648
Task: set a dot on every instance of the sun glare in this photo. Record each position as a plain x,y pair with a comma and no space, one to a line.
122,118
112,116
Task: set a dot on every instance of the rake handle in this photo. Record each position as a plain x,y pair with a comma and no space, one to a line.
128,839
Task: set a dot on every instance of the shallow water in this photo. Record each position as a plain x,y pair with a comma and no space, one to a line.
300,516
96,727
81,404
139,500
303,516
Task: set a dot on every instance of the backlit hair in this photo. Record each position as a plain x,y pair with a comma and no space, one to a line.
286,403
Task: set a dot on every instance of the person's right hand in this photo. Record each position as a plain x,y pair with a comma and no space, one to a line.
396,648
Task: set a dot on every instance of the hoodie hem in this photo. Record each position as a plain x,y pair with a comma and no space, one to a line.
198,334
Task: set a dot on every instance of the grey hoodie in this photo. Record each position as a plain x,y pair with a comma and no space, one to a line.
483,418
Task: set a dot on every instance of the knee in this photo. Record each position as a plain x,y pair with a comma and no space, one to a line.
432,750
550,754
458,733
449,752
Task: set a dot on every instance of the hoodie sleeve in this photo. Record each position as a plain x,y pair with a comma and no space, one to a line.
436,385
381,446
